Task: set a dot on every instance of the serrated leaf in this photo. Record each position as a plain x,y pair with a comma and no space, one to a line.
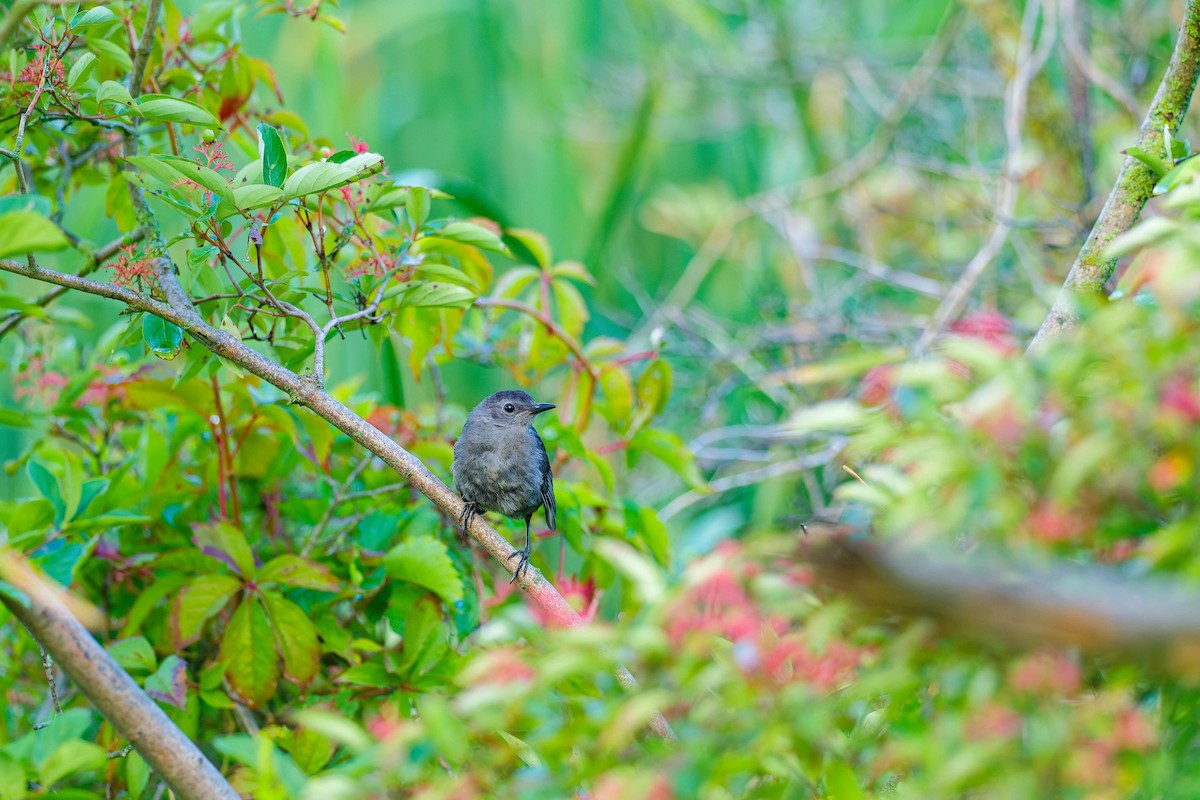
248,647
168,684
296,637
425,561
165,339
273,156
197,601
225,543
163,108
133,654
27,231
368,674
293,570
311,750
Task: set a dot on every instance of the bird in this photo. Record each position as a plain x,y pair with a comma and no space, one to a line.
500,464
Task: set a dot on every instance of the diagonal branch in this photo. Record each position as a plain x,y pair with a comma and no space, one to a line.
307,391
118,697
1134,186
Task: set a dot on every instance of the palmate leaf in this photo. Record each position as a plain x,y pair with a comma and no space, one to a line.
425,562
197,601
296,638
248,648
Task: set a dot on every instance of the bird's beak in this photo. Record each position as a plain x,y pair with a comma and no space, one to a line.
540,407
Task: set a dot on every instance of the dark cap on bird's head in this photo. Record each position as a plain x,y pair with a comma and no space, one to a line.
509,407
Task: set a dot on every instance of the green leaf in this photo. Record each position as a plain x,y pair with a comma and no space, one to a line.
113,53
197,601
47,486
13,780
93,16
311,750
426,294
273,155
1181,173
369,674
81,70
69,758
168,684
27,231
248,647
202,175
25,202
296,637
133,654
165,339
445,729
323,176
417,204
1155,163
474,235
293,570
425,561
841,782
163,108
670,449
225,543
113,92
256,195
137,774
535,242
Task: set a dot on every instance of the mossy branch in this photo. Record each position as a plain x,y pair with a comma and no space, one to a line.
1134,186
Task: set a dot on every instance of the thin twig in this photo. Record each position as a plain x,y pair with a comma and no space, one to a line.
1030,60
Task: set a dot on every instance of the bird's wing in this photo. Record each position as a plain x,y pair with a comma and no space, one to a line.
547,486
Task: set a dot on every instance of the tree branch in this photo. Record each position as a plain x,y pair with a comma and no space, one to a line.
307,392
1134,185
1096,609
110,689
1030,60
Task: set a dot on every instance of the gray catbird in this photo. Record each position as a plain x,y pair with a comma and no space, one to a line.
500,463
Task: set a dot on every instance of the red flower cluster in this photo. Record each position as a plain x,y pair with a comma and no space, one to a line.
132,271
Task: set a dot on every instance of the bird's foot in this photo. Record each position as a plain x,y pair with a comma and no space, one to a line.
523,564
470,509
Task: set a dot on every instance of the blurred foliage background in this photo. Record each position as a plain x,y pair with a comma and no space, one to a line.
754,185
777,198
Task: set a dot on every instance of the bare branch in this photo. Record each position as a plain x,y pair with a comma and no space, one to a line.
1030,61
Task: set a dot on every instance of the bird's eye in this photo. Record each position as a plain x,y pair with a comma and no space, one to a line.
508,407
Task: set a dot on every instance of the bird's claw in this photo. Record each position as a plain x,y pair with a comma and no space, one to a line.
470,509
523,564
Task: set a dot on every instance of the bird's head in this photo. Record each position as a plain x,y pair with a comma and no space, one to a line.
510,408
